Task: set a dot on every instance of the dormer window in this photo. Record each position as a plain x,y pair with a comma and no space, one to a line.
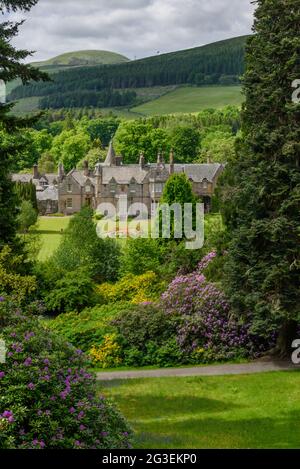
205,185
88,189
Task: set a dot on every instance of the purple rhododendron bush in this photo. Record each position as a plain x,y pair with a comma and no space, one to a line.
190,324
47,397
206,329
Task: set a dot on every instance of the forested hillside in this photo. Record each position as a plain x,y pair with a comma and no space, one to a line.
101,86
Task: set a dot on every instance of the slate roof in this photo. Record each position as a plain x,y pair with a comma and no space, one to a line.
199,172
123,174
51,193
80,177
22,178
50,177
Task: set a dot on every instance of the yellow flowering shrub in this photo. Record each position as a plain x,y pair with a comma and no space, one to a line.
107,355
133,288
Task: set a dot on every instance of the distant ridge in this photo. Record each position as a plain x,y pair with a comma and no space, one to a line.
82,58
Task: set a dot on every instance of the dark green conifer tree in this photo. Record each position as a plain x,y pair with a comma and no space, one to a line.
262,196
11,68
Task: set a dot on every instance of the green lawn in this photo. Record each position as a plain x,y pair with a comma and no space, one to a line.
192,99
49,230
246,411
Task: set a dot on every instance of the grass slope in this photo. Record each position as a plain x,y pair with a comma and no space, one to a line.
192,99
83,58
246,411
50,230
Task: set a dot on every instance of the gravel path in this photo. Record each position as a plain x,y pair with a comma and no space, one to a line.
215,370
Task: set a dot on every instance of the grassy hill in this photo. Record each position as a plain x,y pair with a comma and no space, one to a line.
192,99
81,59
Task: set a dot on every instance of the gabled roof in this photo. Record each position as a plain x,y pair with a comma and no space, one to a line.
199,172
123,174
51,193
22,177
80,177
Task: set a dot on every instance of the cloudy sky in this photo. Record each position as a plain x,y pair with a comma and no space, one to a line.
135,28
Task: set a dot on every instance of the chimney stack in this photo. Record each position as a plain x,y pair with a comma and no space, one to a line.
172,161
36,172
142,160
61,171
86,168
160,160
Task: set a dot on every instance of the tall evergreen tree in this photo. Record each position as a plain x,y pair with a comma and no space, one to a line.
262,197
10,69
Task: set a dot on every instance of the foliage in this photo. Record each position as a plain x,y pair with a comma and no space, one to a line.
191,323
217,147
69,147
28,216
108,353
82,248
48,398
12,279
133,288
100,129
73,292
47,163
141,255
26,191
261,190
87,329
185,142
177,190
135,136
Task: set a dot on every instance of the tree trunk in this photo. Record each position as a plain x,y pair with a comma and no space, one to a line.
287,334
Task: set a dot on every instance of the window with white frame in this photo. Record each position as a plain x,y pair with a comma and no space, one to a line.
69,203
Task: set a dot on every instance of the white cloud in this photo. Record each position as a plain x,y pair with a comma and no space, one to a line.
131,27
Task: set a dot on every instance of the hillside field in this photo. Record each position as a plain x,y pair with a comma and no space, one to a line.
185,99
192,99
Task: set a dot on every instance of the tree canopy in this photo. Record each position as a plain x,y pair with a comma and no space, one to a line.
262,197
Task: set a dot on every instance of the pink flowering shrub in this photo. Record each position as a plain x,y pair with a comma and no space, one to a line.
48,398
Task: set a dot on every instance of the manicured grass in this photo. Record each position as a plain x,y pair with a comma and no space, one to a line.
49,230
192,99
246,411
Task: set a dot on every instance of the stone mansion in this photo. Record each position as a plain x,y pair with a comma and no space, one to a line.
142,183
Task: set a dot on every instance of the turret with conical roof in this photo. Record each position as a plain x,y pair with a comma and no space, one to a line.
111,156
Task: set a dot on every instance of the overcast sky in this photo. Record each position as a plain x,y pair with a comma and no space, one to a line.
135,28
